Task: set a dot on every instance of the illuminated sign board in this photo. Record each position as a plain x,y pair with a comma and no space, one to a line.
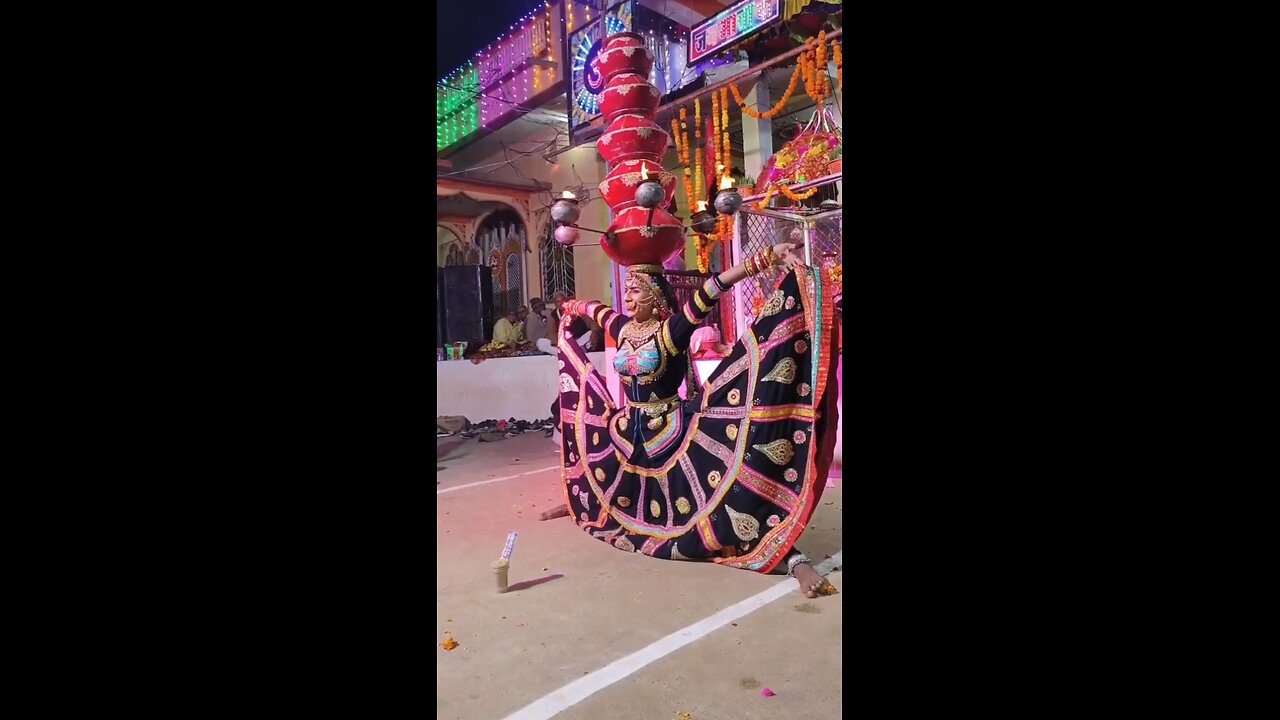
730,26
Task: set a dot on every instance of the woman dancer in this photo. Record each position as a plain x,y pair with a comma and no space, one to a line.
734,473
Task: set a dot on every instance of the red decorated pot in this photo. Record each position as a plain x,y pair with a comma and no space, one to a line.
627,78
629,94
633,142
632,121
633,241
625,59
623,39
620,185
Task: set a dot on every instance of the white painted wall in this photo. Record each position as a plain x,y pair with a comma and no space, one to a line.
500,388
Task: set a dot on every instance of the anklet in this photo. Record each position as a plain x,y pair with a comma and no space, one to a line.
794,561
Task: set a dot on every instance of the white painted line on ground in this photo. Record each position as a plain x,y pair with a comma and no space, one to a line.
494,480
575,692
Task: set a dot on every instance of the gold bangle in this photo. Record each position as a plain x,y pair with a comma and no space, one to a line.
751,266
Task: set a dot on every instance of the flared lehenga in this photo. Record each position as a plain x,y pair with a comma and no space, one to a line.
732,476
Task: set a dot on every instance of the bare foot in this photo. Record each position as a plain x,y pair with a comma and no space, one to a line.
558,511
811,583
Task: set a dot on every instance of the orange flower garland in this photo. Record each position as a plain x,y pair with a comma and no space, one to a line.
684,125
707,243
768,195
704,253
798,197
811,65
682,155
698,179
776,109
715,132
724,125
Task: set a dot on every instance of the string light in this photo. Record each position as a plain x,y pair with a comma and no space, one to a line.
461,108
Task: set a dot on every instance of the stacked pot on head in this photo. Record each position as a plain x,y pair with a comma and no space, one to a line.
633,145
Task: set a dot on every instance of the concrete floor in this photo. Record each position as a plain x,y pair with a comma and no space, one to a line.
578,605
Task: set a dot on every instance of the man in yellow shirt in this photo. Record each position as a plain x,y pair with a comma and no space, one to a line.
509,329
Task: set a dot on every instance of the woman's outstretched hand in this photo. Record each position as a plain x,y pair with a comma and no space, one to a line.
787,257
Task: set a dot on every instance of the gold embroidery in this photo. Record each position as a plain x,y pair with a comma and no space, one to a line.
697,298
624,502
591,403
744,526
784,372
779,451
675,552
655,423
735,396
774,306
682,504
655,407
803,389
595,438
732,432
713,478
670,343
599,475
801,346
654,508
622,543
622,423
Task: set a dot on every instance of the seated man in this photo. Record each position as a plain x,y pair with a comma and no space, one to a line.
535,325
509,329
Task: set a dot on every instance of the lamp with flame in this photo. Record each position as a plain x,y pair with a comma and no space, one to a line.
727,200
565,211
649,193
703,221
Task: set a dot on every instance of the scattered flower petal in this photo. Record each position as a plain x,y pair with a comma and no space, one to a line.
767,692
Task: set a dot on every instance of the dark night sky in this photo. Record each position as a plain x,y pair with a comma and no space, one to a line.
465,26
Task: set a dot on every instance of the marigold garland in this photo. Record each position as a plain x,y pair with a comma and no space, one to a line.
798,197
776,109
724,125
682,156
768,194
704,253
715,132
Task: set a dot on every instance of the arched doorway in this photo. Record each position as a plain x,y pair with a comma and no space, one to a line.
501,240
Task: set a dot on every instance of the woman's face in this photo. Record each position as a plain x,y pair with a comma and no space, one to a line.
638,302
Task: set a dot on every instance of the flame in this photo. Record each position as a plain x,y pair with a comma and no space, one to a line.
644,172
726,183
702,206
568,195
